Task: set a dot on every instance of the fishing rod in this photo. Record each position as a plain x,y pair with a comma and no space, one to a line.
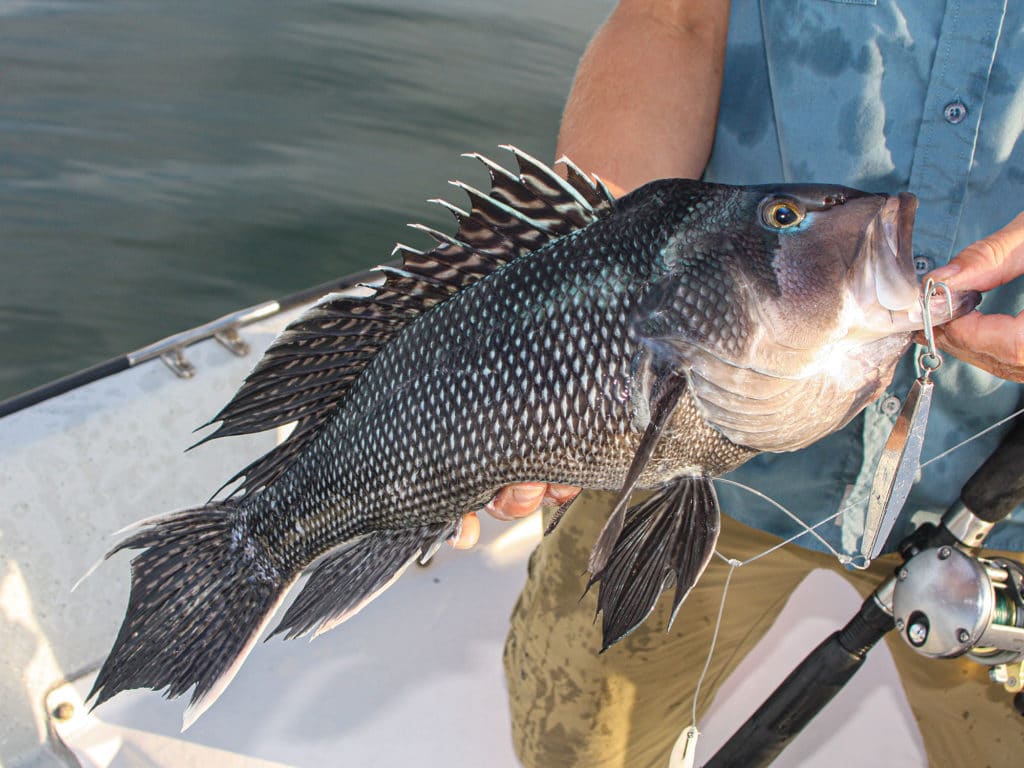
946,600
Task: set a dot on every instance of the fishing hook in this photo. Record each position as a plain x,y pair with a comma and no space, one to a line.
930,360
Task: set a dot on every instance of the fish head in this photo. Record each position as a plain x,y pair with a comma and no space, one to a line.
789,306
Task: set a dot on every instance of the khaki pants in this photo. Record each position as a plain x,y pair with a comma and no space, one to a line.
625,708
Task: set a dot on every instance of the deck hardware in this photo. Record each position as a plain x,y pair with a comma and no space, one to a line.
175,360
170,350
232,341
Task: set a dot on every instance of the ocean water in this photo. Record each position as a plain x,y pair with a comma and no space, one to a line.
162,164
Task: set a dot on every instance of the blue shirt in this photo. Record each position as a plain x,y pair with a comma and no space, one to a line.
922,95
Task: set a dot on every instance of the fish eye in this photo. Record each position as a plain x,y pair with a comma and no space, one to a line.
780,213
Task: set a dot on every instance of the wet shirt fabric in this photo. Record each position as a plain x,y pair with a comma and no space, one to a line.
922,96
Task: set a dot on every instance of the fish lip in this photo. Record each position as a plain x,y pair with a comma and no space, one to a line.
890,278
907,209
897,220
963,301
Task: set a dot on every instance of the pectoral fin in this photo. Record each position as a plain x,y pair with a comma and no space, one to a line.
670,389
670,536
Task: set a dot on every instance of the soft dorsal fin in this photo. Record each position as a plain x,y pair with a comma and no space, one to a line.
306,372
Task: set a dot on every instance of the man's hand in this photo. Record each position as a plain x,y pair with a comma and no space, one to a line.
992,342
512,502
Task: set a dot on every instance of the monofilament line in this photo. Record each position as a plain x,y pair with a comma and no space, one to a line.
733,565
972,437
807,528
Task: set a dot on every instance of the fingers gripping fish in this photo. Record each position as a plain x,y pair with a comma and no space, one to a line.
650,342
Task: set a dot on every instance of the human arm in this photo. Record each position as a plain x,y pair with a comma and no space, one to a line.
643,106
992,342
644,102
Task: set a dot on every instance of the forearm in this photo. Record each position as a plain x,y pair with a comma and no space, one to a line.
645,98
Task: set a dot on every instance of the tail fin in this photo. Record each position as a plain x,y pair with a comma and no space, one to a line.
202,591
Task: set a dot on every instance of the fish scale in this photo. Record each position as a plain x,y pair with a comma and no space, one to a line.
558,336
449,397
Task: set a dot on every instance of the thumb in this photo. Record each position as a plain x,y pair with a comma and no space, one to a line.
992,261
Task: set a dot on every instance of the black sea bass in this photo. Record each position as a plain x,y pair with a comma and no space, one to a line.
649,342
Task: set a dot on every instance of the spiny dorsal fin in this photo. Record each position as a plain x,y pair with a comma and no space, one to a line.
307,371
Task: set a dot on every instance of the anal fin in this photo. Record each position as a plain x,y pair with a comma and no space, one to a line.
345,581
559,513
668,537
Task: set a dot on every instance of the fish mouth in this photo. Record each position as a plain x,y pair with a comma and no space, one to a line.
896,282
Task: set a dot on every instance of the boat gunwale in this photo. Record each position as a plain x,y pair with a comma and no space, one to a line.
179,341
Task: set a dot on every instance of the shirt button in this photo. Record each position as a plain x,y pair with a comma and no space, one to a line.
923,264
955,112
891,405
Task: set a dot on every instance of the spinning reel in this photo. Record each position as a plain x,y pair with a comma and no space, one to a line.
947,601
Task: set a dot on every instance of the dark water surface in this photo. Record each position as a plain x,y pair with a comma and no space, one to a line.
165,163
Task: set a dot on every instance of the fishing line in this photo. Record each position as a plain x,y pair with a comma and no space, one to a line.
973,437
683,753
793,516
842,558
733,565
685,749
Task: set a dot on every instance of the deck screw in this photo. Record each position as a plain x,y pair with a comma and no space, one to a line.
944,553
963,635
